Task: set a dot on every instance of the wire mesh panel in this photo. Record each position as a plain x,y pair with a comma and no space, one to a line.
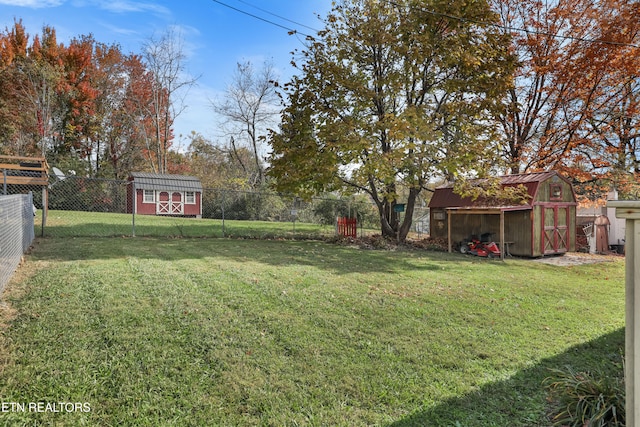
86,207
16,232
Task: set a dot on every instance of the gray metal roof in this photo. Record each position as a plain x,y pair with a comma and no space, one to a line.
160,181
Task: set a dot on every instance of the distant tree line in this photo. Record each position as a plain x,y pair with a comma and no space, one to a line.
92,109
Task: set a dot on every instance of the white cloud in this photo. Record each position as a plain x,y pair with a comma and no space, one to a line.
184,34
34,4
119,30
127,6
115,6
198,115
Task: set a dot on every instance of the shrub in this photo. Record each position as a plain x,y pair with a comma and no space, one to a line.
584,399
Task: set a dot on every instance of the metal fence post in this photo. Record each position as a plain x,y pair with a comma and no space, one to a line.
28,216
45,208
294,212
630,211
222,198
133,208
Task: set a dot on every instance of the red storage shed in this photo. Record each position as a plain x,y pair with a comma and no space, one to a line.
164,194
544,224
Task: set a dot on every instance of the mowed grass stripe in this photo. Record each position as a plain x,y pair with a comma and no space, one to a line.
63,223
250,332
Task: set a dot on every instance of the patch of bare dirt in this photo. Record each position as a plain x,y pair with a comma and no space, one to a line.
578,258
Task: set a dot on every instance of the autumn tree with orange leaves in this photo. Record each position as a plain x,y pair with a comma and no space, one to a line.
574,104
612,126
80,104
30,75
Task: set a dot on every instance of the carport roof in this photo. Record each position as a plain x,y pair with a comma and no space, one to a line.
482,210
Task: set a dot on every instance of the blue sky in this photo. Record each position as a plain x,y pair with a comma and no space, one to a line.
215,36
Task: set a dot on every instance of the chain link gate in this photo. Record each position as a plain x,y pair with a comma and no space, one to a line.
16,232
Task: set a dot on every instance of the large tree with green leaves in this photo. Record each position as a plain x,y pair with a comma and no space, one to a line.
391,95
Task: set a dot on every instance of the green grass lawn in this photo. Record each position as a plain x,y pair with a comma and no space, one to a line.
101,224
224,332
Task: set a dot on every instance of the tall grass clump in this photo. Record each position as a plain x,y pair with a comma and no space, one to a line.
587,399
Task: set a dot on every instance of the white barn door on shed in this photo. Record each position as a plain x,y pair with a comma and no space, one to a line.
170,203
163,204
177,203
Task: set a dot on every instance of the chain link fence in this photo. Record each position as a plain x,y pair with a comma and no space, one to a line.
90,207
16,232
169,206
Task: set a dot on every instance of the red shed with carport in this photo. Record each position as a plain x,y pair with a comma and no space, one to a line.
545,224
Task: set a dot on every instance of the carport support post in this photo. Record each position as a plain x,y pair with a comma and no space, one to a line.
630,211
449,230
501,234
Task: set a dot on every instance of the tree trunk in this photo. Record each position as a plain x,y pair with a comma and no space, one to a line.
386,221
390,225
387,229
408,215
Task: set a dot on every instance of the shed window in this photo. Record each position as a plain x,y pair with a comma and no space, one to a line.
190,198
149,196
556,192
